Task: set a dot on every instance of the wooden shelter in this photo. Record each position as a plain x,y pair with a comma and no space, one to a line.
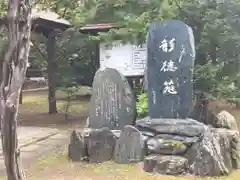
45,22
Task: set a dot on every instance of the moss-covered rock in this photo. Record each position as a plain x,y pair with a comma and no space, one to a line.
166,147
226,120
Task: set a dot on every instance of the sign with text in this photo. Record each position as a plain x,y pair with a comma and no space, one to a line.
112,102
128,59
171,54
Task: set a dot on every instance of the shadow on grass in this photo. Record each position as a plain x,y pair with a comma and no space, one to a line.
85,97
34,110
52,120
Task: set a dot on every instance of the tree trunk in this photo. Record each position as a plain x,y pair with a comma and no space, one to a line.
13,74
51,70
20,98
238,105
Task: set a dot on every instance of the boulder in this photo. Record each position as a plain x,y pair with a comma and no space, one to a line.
87,123
116,133
224,138
130,146
225,120
168,165
188,141
101,143
166,147
148,133
210,156
77,149
183,127
236,151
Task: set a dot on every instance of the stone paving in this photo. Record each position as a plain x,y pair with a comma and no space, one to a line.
37,143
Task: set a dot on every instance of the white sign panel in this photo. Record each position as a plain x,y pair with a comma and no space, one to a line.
128,59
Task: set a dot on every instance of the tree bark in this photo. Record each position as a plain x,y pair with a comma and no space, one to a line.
13,74
20,98
51,70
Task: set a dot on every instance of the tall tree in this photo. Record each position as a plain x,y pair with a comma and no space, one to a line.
13,70
51,69
216,29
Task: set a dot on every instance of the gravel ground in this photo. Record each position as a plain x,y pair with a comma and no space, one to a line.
33,152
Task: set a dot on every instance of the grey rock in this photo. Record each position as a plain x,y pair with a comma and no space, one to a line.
148,134
101,143
168,165
166,147
226,120
87,123
116,133
183,127
112,102
77,149
224,138
130,147
188,141
145,138
236,150
206,156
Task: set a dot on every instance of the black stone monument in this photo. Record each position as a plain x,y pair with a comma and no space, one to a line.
112,103
170,63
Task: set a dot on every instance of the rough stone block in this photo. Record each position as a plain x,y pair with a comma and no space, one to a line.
101,143
130,147
168,165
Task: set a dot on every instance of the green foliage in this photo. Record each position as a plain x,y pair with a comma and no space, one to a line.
142,105
134,21
75,57
71,95
205,78
217,36
215,24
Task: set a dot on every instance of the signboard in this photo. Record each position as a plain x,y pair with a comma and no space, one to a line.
128,59
171,56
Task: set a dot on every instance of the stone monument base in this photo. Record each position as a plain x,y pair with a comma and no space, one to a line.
164,146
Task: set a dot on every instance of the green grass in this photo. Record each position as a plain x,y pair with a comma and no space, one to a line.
34,110
58,167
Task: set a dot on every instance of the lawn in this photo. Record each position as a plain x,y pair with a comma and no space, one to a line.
57,167
33,112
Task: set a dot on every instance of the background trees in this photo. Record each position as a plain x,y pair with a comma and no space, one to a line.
215,25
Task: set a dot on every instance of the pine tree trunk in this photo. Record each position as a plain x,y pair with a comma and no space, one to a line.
13,74
51,70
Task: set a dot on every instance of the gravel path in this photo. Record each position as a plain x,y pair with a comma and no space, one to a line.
41,148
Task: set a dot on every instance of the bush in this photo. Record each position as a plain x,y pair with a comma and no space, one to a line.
142,105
